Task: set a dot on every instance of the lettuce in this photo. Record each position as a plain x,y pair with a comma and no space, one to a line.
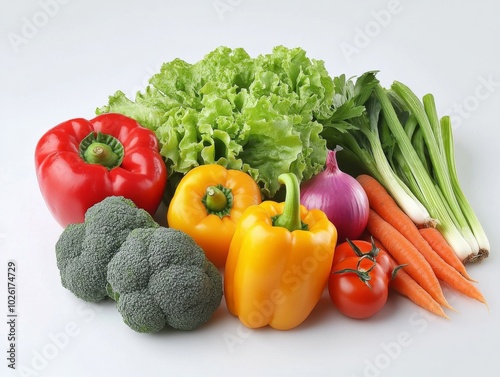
260,115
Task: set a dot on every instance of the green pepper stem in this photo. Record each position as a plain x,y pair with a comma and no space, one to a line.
102,149
99,153
218,200
290,218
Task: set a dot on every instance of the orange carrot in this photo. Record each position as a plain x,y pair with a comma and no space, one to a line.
380,199
439,244
404,252
454,279
384,206
404,284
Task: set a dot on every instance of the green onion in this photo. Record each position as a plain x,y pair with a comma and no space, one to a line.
401,141
475,225
430,127
360,138
426,188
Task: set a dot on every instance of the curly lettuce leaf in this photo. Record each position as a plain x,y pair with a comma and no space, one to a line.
260,115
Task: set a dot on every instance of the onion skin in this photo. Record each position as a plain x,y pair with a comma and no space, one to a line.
340,196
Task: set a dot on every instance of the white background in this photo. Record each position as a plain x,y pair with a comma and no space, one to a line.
76,53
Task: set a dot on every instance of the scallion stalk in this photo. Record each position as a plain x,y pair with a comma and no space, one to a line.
426,114
431,199
374,159
475,225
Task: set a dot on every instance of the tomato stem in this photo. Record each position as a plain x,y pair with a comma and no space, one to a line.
363,274
372,253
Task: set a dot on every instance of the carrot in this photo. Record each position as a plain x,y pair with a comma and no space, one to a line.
439,244
384,206
380,199
404,252
454,279
404,284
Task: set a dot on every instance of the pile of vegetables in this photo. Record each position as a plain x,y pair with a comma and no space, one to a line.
275,175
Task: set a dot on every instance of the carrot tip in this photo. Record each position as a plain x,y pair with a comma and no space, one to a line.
440,312
448,306
470,279
467,276
483,301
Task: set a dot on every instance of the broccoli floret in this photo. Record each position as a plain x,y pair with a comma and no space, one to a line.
84,250
161,277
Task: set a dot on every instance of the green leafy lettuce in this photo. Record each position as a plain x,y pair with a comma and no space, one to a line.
260,115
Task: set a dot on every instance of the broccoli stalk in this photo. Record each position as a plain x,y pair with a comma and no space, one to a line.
160,277
84,250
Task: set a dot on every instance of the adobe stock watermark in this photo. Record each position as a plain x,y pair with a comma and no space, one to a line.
222,7
31,26
291,280
363,36
150,71
393,349
483,91
58,341
418,323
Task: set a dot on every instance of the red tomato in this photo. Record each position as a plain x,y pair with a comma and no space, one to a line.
345,250
351,295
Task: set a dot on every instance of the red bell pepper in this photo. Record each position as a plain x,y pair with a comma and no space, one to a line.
80,162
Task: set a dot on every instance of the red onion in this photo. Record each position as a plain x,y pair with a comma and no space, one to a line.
340,196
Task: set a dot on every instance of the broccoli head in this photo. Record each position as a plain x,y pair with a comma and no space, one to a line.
161,277
84,250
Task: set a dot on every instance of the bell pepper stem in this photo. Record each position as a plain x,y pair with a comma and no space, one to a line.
100,153
218,200
102,149
290,218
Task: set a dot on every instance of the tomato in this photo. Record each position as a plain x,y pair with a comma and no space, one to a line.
345,250
362,294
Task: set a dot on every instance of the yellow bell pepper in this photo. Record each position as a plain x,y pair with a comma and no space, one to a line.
208,202
279,261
